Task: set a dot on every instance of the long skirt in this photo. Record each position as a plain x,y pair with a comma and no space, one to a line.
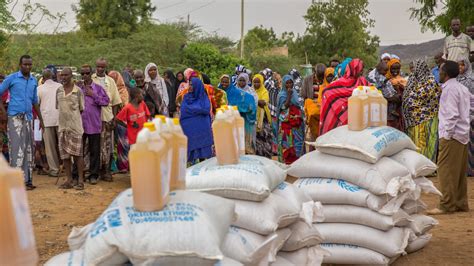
264,141
425,137
291,136
123,148
21,148
470,165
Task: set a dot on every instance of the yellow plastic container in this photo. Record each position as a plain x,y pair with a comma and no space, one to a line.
149,170
358,110
17,241
224,138
375,108
179,158
240,127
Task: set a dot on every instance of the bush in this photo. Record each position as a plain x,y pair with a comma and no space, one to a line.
277,63
161,44
207,59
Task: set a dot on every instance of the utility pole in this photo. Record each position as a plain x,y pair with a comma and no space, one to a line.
189,19
242,29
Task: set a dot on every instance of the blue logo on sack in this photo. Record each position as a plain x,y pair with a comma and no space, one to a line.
349,187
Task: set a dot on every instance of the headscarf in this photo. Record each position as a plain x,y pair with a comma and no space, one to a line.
122,89
243,100
336,94
184,78
272,88
341,68
283,95
327,72
247,88
397,80
183,87
385,55
421,95
172,86
187,74
159,83
394,56
195,102
195,117
262,93
467,79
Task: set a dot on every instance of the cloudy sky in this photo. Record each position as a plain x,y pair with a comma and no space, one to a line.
392,18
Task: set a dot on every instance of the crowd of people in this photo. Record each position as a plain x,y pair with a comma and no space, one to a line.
88,124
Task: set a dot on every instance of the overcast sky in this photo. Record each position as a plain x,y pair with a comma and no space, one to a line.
392,18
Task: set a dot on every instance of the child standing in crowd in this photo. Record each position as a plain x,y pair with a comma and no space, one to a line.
134,115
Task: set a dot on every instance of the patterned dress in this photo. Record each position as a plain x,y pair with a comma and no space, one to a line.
291,126
420,109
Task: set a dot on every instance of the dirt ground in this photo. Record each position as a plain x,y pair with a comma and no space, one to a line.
55,212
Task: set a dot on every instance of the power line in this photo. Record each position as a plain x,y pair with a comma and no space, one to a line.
193,10
172,5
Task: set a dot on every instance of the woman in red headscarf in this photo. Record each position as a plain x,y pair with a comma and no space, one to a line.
336,94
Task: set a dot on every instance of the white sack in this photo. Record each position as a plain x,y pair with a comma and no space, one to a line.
422,223
267,216
414,206
302,236
310,211
364,216
351,254
416,163
73,258
368,145
280,261
282,237
252,179
228,262
384,177
390,243
312,256
187,231
247,247
425,185
419,243
340,192
77,237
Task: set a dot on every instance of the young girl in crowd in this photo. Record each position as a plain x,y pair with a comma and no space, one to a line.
134,115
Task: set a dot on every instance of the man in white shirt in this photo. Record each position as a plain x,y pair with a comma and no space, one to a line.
47,102
458,45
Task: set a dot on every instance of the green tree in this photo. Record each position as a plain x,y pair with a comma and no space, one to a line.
429,20
337,28
5,25
207,59
259,39
112,18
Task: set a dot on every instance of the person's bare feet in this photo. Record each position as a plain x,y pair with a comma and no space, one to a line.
436,211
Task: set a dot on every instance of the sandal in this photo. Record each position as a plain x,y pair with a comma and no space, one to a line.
66,185
79,186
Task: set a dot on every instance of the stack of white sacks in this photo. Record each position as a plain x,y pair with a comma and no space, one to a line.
252,216
274,219
370,183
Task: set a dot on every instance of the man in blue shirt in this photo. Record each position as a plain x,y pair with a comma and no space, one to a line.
439,60
23,98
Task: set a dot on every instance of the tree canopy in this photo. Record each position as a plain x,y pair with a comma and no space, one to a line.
112,18
429,20
337,28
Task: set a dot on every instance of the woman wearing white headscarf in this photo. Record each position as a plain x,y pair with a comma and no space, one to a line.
156,85
242,83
